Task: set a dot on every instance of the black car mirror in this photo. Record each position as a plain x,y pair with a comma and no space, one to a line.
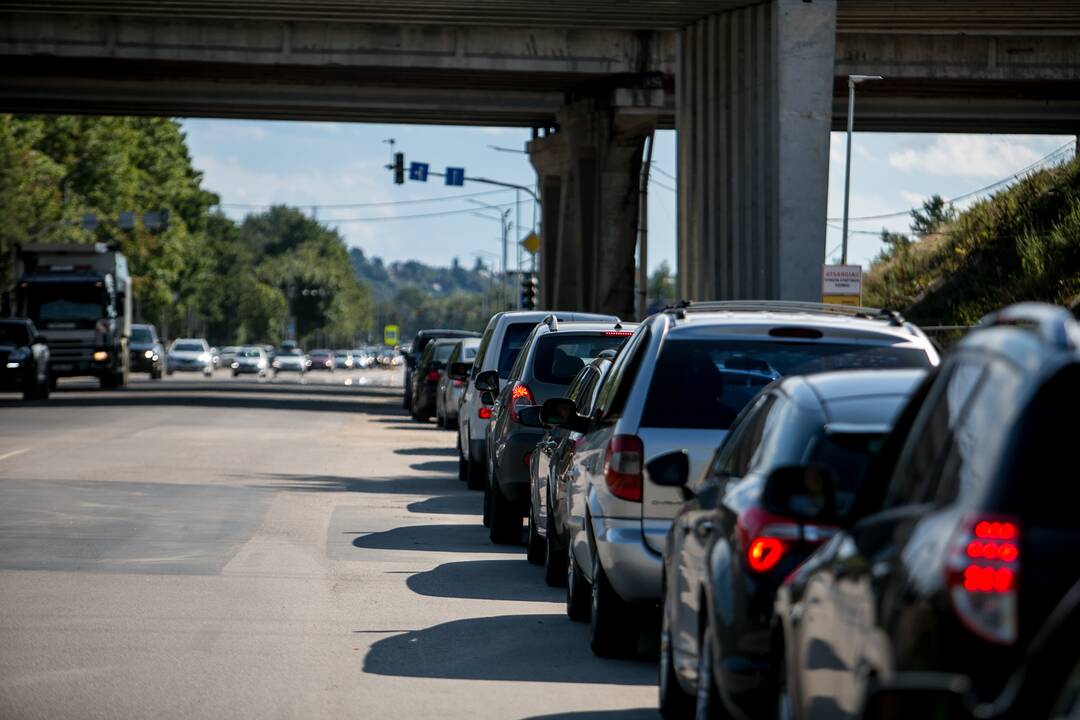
530,416
801,492
487,397
672,469
487,381
460,370
562,412
920,694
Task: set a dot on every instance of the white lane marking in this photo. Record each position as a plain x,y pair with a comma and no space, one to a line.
13,453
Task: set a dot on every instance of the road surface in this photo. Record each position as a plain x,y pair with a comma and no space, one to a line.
270,549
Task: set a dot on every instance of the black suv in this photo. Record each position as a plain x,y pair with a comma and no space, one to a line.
413,356
24,359
961,541
147,352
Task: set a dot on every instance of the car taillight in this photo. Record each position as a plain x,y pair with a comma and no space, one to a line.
623,461
484,413
433,376
520,397
981,572
765,537
618,333
528,458
458,383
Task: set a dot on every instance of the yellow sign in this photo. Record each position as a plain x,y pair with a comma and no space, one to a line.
390,335
531,243
852,300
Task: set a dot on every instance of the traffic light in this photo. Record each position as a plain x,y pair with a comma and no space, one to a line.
399,168
529,287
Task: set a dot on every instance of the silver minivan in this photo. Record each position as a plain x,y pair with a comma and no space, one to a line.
677,384
499,347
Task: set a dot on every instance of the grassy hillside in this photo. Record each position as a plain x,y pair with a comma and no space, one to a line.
1021,244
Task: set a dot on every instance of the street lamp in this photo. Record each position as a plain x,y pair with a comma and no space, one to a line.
504,223
852,81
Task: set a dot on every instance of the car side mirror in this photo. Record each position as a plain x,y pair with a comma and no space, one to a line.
923,694
530,416
460,370
562,412
802,492
672,469
487,397
487,381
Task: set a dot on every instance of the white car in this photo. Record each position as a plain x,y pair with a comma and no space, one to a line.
251,360
189,355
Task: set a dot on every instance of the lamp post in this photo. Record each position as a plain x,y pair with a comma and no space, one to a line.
852,81
504,223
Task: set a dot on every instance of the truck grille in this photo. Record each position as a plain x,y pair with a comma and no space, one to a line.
70,351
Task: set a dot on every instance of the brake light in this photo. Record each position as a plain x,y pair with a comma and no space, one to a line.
520,397
458,383
527,458
484,413
622,467
618,333
765,537
433,376
981,572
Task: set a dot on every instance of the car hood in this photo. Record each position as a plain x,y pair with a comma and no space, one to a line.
186,354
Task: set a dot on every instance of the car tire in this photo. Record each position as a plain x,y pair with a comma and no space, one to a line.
32,391
440,421
506,517
45,389
554,556
462,466
536,549
235,374
708,703
53,381
168,372
675,703
487,506
578,593
477,477
612,635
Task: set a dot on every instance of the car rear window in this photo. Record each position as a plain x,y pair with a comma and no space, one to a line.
849,455
512,341
561,356
468,352
704,383
442,352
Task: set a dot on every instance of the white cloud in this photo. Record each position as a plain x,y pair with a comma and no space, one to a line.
913,199
971,156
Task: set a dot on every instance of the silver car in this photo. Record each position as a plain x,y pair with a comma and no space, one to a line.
677,384
289,360
450,389
191,355
251,360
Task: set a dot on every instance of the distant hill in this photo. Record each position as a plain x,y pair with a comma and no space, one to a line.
386,280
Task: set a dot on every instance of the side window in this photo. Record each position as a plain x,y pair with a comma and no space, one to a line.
478,362
613,393
980,436
733,458
522,357
917,473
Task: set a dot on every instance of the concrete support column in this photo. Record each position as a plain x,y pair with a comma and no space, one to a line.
754,111
589,174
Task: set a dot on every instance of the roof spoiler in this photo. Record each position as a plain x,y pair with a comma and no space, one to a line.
891,316
1054,324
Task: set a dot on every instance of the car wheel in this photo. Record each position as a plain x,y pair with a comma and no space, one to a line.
577,590
708,704
487,506
168,372
31,392
440,421
612,635
536,551
477,478
675,703
505,517
235,374
53,380
462,466
554,556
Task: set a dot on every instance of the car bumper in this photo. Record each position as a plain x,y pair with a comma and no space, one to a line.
188,367
13,380
248,370
141,363
512,470
632,568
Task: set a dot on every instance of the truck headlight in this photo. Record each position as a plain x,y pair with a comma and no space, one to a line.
100,355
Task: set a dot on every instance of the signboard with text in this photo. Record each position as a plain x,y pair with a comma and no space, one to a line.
390,335
841,284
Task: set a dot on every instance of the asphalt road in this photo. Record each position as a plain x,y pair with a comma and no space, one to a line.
270,549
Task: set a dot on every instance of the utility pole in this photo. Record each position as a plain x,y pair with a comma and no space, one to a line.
852,81
643,231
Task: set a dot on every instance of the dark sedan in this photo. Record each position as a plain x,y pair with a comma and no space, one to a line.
24,359
412,356
429,370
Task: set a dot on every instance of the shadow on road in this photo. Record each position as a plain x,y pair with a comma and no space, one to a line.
446,467
407,485
526,648
467,503
514,580
434,538
451,451
629,714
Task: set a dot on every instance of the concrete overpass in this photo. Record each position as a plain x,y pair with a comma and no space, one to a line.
752,86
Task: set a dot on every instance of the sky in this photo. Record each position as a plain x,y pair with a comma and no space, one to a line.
251,164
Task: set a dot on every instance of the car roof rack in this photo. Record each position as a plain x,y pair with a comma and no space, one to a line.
552,322
890,316
1055,325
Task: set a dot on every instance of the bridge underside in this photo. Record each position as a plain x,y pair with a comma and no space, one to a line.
753,86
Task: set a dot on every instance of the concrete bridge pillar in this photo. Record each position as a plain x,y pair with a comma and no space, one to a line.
588,173
754,110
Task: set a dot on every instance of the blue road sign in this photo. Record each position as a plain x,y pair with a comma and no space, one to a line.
455,176
418,171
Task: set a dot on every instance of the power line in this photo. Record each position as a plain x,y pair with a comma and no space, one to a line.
437,198
656,182
416,216
662,171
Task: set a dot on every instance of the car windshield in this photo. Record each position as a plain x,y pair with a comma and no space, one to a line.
848,454
14,334
704,383
248,354
294,352
188,347
560,357
58,304
442,352
511,346
141,335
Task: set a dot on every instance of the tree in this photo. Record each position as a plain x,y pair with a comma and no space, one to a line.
661,286
933,214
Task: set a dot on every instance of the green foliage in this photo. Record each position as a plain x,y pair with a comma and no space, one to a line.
386,281
1021,244
661,287
934,214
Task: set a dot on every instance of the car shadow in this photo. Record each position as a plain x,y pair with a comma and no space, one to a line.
466,503
434,538
447,451
407,485
446,467
627,714
524,648
513,580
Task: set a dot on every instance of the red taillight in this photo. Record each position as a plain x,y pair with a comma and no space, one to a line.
528,458
765,537
765,553
618,333
981,571
484,413
520,397
622,467
458,383
433,376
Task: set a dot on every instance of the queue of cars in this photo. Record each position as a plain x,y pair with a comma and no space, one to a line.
823,516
